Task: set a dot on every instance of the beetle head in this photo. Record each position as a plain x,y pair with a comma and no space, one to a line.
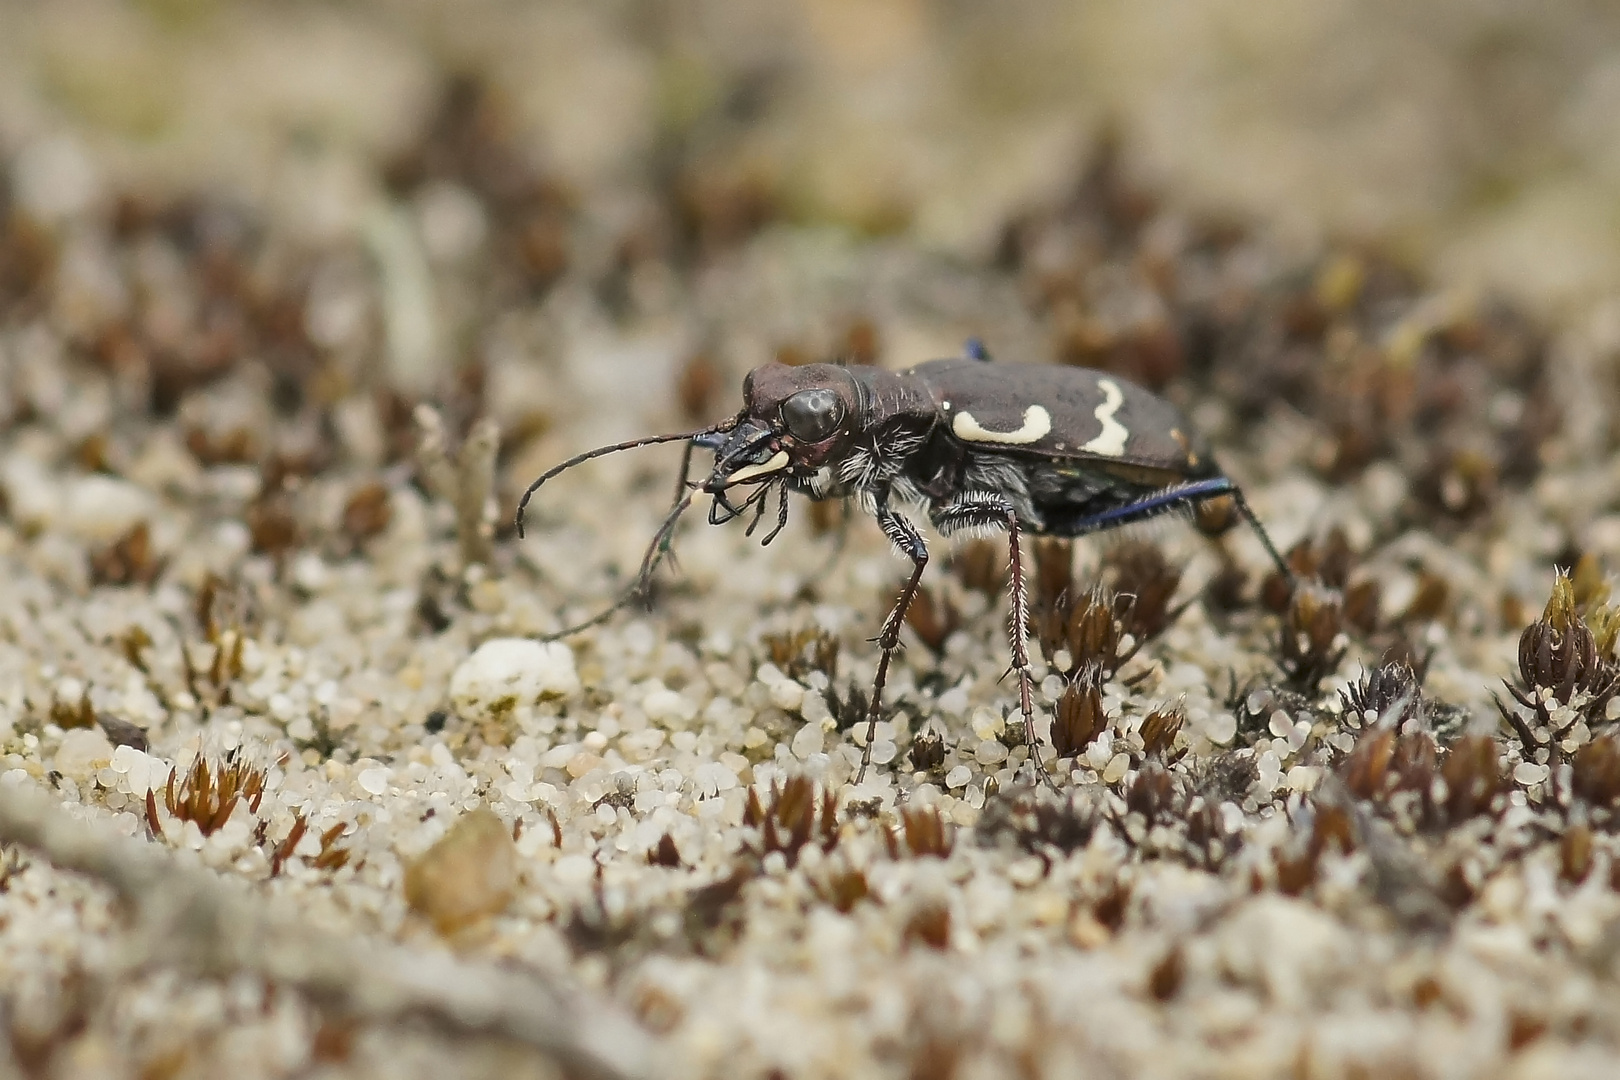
794,419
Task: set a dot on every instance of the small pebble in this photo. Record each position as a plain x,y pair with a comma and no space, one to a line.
83,751
808,740
1270,770
582,763
1281,724
470,874
1303,778
504,673
1529,772
1221,729
662,705
102,508
990,752
121,733
787,695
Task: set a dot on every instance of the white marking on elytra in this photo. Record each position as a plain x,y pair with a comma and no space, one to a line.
1111,439
1037,422
777,462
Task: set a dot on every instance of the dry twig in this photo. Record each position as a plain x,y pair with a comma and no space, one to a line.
466,482
213,927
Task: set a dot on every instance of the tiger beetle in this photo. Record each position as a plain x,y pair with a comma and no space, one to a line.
1048,450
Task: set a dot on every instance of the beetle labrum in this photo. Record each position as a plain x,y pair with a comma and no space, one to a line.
1024,448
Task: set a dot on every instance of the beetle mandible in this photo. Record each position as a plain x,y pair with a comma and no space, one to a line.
1025,448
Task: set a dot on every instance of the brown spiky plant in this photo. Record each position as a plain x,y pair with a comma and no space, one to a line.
1107,623
1312,640
210,790
1566,672
790,816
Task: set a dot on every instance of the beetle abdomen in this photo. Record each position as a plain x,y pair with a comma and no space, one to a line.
1056,411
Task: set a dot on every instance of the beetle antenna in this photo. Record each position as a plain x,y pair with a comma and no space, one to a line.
603,451
1265,538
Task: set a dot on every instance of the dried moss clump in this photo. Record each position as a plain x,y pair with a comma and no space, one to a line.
1088,635
1159,730
1595,772
926,832
981,566
1331,564
1079,717
1311,642
842,887
1152,793
927,751
1410,777
1327,562
209,791
1107,624
1387,695
1038,822
933,618
128,560
799,652
792,816
1565,678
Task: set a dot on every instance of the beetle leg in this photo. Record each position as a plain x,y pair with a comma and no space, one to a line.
1265,538
683,481
904,535
1018,635
1168,499
657,551
981,510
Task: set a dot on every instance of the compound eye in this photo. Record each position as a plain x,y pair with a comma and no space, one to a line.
813,415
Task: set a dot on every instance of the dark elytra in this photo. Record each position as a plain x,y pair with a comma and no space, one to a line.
1056,451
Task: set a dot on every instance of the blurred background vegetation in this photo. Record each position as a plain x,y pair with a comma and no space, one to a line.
1478,137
